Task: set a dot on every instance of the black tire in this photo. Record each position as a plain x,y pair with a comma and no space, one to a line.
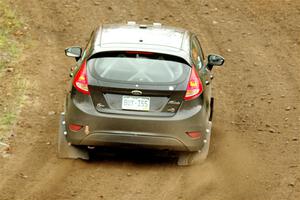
191,158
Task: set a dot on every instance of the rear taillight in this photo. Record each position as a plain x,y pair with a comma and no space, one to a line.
80,81
194,87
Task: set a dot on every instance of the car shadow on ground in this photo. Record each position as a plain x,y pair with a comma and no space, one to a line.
138,156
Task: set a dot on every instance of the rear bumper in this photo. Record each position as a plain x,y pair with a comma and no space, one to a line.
150,132
114,139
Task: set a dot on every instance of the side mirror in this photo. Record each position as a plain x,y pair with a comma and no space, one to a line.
214,60
74,52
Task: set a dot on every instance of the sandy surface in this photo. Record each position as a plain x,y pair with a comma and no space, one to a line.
255,150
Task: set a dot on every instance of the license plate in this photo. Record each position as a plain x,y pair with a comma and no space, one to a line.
136,103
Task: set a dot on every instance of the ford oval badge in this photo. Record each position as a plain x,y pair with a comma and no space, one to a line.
136,92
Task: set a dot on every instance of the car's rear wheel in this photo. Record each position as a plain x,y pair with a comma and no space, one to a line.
191,158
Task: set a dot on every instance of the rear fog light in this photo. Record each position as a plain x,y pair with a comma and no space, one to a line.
194,134
75,127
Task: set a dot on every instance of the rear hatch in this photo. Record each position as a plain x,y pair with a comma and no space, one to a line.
137,83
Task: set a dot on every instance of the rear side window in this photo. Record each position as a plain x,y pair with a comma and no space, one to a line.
196,53
138,67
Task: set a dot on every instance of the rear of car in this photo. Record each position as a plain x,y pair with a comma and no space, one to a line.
141,98
146,93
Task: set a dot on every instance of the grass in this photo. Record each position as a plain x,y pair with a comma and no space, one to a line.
9,24
14,86
12,109
9,115
8,118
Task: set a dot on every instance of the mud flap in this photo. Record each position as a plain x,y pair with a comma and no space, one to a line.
66,150
205,148
198,157
212,100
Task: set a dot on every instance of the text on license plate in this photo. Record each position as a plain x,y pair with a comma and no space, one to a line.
136,103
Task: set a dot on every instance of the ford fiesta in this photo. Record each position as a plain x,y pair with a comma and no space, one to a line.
143,86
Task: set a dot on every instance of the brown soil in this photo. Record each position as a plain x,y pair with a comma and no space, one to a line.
255,147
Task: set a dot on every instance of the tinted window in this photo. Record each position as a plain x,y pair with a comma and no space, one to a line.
88,46
138,68
196,53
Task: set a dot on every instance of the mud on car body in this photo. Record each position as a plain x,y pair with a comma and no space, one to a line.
142,86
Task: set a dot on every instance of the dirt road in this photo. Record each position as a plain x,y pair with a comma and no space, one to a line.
255,147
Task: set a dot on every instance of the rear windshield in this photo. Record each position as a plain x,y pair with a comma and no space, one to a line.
138,67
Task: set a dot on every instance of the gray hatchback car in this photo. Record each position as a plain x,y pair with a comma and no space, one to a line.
142,86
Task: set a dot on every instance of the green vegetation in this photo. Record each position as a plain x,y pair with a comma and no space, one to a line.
9,24
13,85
